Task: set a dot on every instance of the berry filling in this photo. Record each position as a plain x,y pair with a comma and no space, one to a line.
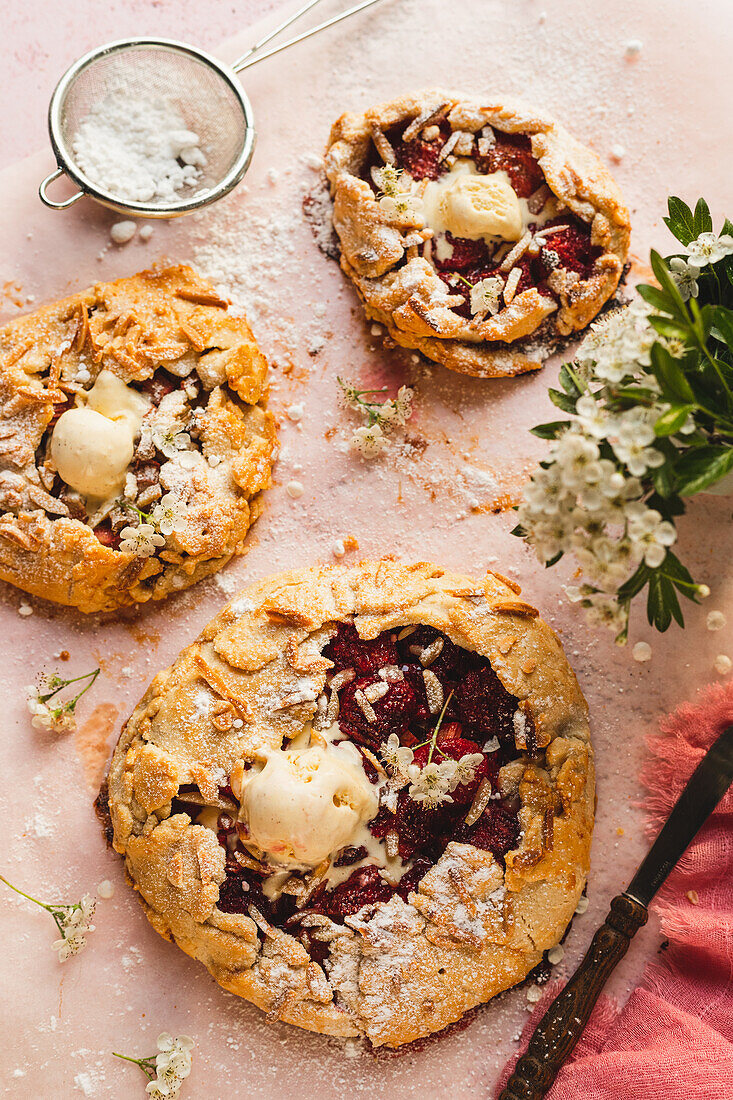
465,261
410,699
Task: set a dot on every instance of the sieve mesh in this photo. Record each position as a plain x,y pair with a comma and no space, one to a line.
210,102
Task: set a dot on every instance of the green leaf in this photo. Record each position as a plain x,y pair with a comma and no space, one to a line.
701,467
667,283
663,481
656,297
567,404
672,420
569,381
661,601
703,223
555,560
723,323
633,586
666,327
670,375
519,531
550,430
680,222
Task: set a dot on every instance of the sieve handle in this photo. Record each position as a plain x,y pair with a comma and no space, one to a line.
42,191
247,60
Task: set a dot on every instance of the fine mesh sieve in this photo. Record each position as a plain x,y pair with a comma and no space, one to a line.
204,91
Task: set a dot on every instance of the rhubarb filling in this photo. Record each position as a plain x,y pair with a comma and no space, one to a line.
430,729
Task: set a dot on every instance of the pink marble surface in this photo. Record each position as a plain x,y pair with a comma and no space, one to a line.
416,502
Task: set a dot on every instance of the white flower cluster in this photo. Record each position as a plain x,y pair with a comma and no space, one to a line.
370,440
172,1066
433,783
46,716
706,249
396,199
583,501
168,516
74,922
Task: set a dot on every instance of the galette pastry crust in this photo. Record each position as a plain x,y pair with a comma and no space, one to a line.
397,970
170,319
382,254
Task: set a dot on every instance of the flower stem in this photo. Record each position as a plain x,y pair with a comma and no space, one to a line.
438,724
145,1064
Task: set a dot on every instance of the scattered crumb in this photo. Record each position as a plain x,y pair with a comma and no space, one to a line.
716,620
642,651
633,48
295,413
582,906
722,664
350,543
122,232
106,889
25,609
294,489
617,152
556,954
534,994
338,549
693,897
619,831
146,233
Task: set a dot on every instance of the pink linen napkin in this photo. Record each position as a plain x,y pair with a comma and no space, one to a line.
673,1040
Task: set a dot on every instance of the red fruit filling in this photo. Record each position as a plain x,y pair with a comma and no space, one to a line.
471,261
512,153
478,709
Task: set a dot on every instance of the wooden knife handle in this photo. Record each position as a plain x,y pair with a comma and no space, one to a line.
562,1025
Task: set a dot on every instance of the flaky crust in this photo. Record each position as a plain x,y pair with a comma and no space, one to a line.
170,318
397,970
410,299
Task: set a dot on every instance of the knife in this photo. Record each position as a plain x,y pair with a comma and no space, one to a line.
561,1026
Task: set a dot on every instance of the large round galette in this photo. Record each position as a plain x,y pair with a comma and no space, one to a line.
363,798
478,231
134,441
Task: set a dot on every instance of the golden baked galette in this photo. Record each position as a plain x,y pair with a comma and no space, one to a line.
134,441
363,798
477,231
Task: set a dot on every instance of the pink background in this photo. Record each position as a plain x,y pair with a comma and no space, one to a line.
429,497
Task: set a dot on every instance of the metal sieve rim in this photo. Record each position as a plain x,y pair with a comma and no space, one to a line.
67,165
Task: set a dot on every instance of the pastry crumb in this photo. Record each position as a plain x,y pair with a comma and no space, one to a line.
105,889
633,48
693,897
582,906
294,489
556,954
25,609
534,994
642,651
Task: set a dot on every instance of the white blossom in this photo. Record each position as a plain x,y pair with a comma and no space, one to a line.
48,717
398,757
485,295
74,922
172,1065
171,439
431,785
685,277
652,534
142,540
369,442
466,768
170,514
708,248
397,411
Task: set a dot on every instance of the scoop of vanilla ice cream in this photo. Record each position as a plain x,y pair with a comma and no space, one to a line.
91,452
305,804
469,204
92,444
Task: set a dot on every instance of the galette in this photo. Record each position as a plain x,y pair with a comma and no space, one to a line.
477,231
363,797
134,440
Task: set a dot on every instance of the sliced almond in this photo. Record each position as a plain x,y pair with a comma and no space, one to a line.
480,802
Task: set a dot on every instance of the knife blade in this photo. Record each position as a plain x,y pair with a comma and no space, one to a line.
558,1031
704,790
